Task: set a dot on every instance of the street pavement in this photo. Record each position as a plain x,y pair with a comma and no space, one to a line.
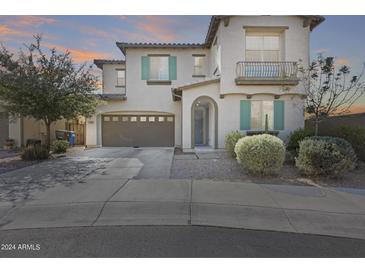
173,241
120,194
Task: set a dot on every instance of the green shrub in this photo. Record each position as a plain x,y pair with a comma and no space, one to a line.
343,145
296,137
290,157
60,146
355,135
231,140
33,153
325,156
261,154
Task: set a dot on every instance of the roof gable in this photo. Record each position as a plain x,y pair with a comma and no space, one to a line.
309,20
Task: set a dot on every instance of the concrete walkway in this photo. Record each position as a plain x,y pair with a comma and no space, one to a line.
115,197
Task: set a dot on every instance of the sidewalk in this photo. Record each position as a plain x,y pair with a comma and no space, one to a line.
103,200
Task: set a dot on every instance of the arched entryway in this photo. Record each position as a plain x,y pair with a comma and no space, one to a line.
204,122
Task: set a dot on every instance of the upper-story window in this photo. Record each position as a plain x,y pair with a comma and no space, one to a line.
120,78
159,68
199,65
262,47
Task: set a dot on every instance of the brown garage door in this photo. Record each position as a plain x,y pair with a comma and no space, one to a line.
138,130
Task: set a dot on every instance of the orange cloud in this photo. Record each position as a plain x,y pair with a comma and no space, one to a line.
357,108
79,55
342,61
151,28
135,36
157,31
30,20
5,30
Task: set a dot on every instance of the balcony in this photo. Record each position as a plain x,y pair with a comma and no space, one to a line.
266,73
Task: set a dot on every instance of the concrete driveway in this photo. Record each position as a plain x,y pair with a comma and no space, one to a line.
149,162
106,164
114,186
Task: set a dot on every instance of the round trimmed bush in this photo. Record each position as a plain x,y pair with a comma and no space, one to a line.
355,135
60,146
231,140
261,154
322,155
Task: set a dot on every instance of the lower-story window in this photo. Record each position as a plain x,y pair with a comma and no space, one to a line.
253,114
259,110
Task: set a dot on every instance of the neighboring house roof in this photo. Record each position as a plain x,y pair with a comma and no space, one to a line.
177,91
123,45
311,20
110,96
100,62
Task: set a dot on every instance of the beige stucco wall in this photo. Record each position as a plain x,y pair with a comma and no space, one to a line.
15,130
110,78
229,112
145,98
32,129
232,42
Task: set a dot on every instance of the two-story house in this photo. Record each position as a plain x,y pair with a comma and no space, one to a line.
188,95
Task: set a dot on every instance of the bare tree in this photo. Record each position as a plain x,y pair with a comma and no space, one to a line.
330,89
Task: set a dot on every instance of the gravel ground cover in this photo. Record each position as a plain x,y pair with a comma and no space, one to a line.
218,165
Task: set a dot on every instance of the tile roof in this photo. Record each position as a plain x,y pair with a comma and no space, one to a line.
205,81
100,62
177,90
311,20
110,96
123,45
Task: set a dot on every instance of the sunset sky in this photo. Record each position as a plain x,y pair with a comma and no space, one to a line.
90,37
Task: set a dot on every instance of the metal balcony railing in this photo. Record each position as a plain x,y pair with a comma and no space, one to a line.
255,72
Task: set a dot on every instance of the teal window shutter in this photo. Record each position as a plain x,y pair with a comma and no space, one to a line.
278,115
245,115
172,68
145,68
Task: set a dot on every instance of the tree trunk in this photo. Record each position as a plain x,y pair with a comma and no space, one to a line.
316,122
48,135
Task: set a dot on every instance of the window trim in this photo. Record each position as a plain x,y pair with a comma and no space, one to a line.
261,115
125,78
203,67
266,28
159,81
263,34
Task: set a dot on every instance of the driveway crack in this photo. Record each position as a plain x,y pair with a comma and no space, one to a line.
108,200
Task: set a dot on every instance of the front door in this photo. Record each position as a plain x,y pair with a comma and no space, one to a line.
199,126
